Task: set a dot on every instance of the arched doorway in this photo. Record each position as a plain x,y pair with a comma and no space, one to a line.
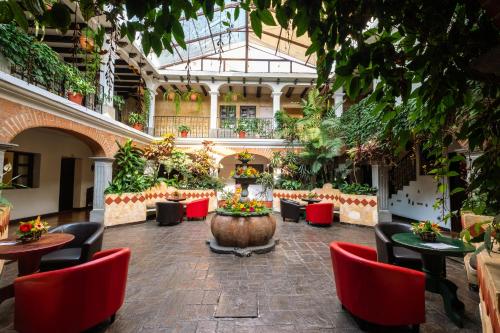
259,162
55,174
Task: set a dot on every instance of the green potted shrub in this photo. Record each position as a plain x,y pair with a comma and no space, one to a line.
241,128
137,120
184,129
77,86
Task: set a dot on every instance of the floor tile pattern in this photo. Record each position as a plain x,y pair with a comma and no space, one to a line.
175,283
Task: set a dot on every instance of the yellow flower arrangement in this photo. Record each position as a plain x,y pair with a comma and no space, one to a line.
32,230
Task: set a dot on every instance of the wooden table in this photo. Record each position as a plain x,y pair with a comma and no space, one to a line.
176,199
311,200
432,266
28,255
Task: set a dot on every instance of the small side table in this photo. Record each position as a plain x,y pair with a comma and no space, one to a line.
28,255
311,200
432,265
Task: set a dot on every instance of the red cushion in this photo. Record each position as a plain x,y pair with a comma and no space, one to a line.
197,208
319,213
377,292
72,299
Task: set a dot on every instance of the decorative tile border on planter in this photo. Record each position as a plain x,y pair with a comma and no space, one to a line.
326,194
4,228
355,209
124,208
359,209
132,207
161,192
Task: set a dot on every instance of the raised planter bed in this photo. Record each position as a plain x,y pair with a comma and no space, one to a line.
358,209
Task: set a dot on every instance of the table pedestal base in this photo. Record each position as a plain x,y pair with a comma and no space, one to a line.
435,282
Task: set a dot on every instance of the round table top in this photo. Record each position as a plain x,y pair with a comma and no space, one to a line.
47,243
176,199
414,242
311,200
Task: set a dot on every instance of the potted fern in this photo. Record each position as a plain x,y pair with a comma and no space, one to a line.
77,86
184,129
137,120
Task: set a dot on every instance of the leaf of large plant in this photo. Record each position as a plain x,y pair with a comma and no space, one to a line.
256,24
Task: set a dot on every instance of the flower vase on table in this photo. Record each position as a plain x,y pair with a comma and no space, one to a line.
426,230
31,231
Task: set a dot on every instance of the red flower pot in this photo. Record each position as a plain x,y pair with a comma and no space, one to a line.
75,97
242,134
184,134
193,97
138,127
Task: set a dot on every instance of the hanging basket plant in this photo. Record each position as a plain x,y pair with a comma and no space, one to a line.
232,97
194,97
174,96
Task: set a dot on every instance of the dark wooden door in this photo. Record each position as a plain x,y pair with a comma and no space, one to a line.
66,184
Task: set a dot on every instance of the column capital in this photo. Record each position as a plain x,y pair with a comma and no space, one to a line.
102,159
276,93
7,146
214,93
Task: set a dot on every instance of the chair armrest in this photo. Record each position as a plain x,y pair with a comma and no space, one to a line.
92,245
385,247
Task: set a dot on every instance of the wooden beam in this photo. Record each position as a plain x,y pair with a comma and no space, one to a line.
304,92
245,91
205,92
259,91
289,92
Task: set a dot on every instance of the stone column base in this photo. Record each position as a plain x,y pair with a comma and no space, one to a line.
97,215
384,216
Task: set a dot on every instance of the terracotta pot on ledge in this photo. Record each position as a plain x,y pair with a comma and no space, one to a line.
75,97
184,134
235,231
138,127
242,134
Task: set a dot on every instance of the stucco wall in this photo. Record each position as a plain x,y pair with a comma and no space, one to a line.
52,145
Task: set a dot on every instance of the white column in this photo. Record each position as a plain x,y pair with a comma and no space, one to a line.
338,97
103,175
380,180
151,112
214,95
107,78
276,95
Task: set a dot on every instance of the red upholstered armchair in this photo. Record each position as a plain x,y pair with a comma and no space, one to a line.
320,213
376,292
197,209
73,299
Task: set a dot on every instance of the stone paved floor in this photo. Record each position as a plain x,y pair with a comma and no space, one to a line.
175,283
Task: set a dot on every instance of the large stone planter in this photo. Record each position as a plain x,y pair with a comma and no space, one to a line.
242,232
124,208
4,227
359,209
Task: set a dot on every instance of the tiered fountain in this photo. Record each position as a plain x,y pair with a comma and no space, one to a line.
243,226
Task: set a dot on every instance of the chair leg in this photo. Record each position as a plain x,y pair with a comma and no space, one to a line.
415,328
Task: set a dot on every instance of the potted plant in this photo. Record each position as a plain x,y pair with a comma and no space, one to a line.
87,39
241,128
244,156
194,96
426,230
232,97
77,86
137,120
174,96
184,129
32,230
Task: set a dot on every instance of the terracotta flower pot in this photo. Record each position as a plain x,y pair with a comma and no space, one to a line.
138,127
75,97
243,231
171,96
86,43
184,134
242,134
193,97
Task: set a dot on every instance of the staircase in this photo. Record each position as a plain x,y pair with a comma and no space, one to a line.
403,173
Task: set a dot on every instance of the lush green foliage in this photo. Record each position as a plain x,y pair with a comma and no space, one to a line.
288,184
137,118
128,173
355,188
43,64
183,128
